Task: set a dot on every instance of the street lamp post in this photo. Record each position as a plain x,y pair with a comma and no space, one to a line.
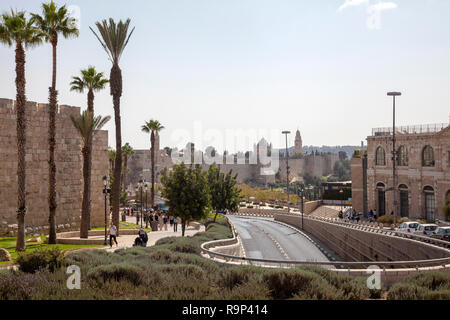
394,155
287,168
342,199
106,191
141,184
145,188
302,205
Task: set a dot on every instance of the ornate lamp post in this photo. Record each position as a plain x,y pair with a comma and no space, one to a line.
146,208
106,191
302,208
394,156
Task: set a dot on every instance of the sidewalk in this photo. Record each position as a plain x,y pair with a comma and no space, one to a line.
127,241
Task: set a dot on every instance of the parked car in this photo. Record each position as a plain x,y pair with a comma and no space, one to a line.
426,229
442,233
408,227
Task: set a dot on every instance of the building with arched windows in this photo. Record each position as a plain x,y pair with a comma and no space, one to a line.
423,172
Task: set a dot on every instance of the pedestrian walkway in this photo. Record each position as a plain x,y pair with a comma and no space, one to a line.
127,241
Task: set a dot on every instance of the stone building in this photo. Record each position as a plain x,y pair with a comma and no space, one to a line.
69,186
298,143
423,172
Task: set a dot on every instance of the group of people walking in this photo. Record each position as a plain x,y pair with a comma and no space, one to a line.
354,216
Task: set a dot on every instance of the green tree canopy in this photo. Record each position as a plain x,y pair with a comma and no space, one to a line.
223,191
186,192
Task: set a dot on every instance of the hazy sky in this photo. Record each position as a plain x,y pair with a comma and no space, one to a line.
215,68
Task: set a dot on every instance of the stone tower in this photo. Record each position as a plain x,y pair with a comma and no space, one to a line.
298,143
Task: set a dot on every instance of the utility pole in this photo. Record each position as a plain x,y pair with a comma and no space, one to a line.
287,169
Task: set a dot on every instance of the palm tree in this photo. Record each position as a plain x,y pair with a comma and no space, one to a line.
16,29
87,126
152,127
114,38
54,21
127,151
112,159
90,80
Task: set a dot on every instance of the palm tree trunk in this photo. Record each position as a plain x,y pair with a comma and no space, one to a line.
53,100
90,98
86,205
90,101
116,92
21,143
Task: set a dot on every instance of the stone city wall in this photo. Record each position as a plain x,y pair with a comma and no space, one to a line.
68,158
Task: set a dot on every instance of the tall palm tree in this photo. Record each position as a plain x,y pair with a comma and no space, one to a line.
127,151
53,22
114,38
87,126
152,127
92,81
16,29
112,159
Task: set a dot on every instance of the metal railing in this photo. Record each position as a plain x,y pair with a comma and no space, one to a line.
416,129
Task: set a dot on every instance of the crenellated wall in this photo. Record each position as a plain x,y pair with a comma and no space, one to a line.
68,158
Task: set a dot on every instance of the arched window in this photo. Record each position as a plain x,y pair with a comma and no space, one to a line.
430,203
380,157
428,157
381,195
402,157
404,200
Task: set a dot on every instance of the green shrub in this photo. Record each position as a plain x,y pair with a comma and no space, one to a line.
117,272
51,259
422,286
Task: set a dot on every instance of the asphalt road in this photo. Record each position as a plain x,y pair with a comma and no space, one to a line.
266,239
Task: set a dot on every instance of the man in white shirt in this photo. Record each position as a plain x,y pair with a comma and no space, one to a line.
113,235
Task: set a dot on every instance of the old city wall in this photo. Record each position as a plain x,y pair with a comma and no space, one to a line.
69,185
357,245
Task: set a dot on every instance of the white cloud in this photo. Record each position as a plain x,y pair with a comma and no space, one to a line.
352,3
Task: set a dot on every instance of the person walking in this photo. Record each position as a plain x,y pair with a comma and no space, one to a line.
171,221
375,215
175,223
165,219
112,235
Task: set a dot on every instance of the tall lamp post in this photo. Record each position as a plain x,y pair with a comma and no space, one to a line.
394,156
106,191
145,189
302,208
287,168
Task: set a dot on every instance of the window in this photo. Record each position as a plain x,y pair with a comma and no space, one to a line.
428,157
404,200
402,157
430,203
381,199
380,157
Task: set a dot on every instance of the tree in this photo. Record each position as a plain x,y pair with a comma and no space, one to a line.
112,159
114,38
127,151
223,191
16,29
152,127
187,193
87,126
92,81
53,22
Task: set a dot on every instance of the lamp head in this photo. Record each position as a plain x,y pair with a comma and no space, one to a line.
394,94
286,132
105,180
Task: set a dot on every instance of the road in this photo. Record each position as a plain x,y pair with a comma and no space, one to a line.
266,239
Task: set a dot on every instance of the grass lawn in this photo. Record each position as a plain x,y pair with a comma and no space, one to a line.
126,226
10,245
